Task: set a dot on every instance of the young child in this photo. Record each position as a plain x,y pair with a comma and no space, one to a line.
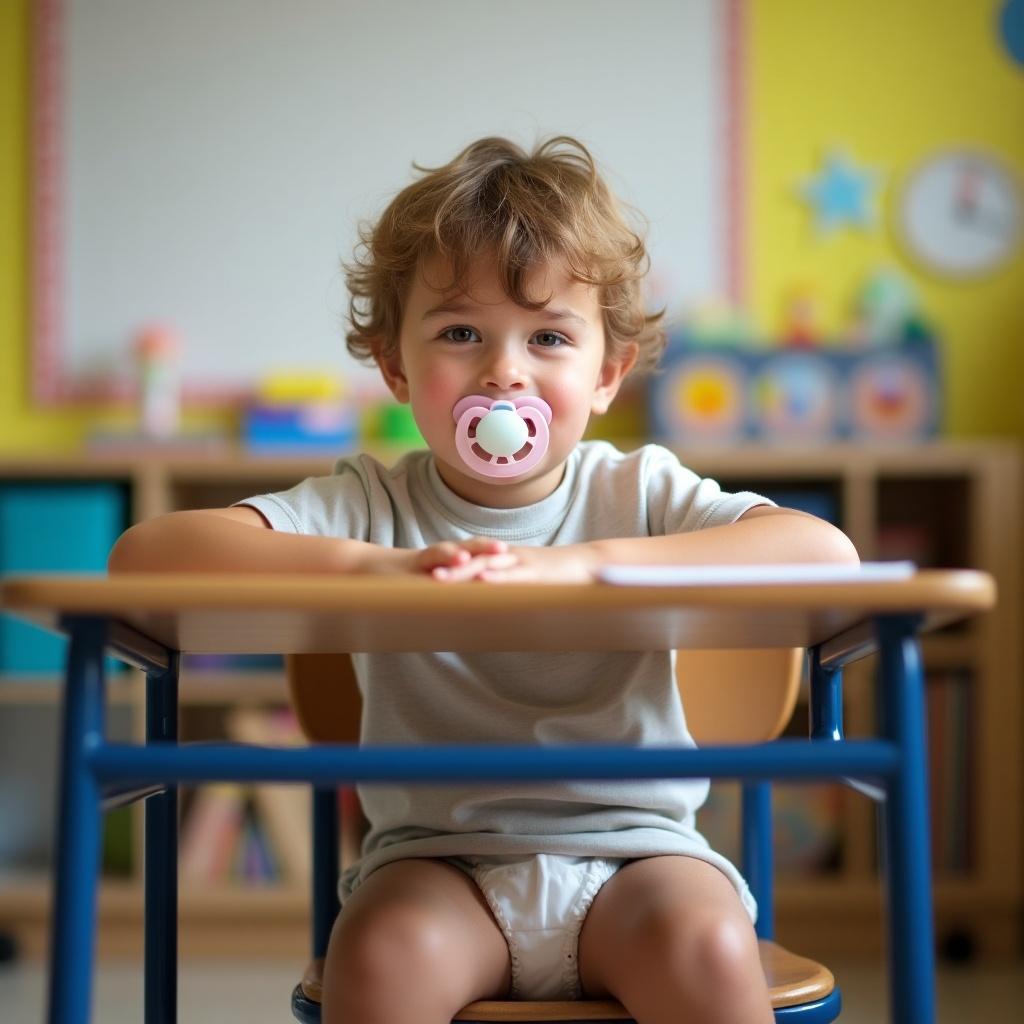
508,277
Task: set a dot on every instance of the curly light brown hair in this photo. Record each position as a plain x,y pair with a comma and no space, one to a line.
524,210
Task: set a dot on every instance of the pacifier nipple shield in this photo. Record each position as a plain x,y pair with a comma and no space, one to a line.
501,438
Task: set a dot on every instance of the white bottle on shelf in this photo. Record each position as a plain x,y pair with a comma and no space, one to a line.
158,353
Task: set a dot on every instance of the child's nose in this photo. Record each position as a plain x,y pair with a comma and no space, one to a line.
504,372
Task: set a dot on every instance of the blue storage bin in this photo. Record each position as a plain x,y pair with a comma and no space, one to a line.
53,527
329,427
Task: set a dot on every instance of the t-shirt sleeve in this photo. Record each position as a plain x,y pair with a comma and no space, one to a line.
321,506
680,501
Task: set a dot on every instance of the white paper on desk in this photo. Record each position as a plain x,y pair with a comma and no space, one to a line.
795,572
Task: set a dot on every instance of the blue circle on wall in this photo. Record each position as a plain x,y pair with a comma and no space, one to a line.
1011,28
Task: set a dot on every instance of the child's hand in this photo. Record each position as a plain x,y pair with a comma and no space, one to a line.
571,563
462,559
447,560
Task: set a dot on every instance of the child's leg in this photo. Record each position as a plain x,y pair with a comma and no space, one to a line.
415,943
669,938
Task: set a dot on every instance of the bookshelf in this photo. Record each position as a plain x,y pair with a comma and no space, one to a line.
949,504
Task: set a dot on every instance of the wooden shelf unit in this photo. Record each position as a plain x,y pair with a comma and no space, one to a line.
951,504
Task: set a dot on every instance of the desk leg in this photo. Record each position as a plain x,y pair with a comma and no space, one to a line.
826,704
73,917
326,834
907,835
161,857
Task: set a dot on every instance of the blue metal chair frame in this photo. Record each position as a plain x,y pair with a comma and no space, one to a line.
96,775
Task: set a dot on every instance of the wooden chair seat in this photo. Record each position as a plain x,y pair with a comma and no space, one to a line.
792,981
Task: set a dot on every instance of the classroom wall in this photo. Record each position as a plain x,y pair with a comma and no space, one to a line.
885,82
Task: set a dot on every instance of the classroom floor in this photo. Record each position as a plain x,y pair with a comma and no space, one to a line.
223,993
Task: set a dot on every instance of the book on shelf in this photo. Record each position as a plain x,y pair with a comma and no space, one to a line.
223,839
283,811
254,859
211,831
950,714
232,663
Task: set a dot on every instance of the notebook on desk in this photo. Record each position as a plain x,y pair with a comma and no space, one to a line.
705,575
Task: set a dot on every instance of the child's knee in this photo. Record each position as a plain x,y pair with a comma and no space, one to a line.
386,947
716,951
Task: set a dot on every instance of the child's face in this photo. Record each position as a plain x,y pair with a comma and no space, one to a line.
480,342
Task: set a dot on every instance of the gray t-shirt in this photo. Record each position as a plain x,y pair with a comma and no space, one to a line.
544,698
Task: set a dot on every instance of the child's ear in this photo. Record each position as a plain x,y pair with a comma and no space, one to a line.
390,364
613,372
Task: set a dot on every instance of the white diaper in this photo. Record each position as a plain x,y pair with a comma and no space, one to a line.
540,903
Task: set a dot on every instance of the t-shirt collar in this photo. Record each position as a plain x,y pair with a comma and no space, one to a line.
508,523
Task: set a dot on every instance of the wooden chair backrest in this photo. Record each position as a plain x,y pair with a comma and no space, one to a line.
733,696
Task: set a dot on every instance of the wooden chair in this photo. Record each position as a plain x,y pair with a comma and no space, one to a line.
730,697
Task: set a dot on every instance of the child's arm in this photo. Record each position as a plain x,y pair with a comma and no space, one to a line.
762,534
239,539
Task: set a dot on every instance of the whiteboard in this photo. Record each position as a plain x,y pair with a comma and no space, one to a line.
208,161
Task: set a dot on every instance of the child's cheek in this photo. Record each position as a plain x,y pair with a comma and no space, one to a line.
569,409
438,391
433,400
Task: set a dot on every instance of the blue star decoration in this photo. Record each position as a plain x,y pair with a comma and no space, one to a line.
841,194
1011,28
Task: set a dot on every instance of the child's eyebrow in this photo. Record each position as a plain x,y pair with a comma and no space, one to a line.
547,313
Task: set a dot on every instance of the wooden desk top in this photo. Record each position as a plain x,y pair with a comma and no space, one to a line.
285,614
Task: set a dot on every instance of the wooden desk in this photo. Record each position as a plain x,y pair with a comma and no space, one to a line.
253,614
149,620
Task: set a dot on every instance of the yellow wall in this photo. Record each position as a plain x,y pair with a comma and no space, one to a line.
888,81
885,81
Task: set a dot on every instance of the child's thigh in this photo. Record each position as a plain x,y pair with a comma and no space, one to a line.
662,913
431,920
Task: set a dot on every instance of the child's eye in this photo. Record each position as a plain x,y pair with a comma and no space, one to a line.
549,339
460,334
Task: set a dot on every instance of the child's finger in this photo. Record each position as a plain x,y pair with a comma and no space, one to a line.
505,561
446,553
513,574
459,573
474,567
485,546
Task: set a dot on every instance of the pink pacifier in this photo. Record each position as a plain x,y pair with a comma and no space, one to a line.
501,438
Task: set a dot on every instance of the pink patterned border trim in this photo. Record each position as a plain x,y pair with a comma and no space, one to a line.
50,383
46,199
734,121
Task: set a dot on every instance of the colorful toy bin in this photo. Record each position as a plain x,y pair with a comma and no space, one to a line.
296,413
728,394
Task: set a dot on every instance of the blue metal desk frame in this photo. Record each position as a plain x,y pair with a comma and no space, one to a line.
96,775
